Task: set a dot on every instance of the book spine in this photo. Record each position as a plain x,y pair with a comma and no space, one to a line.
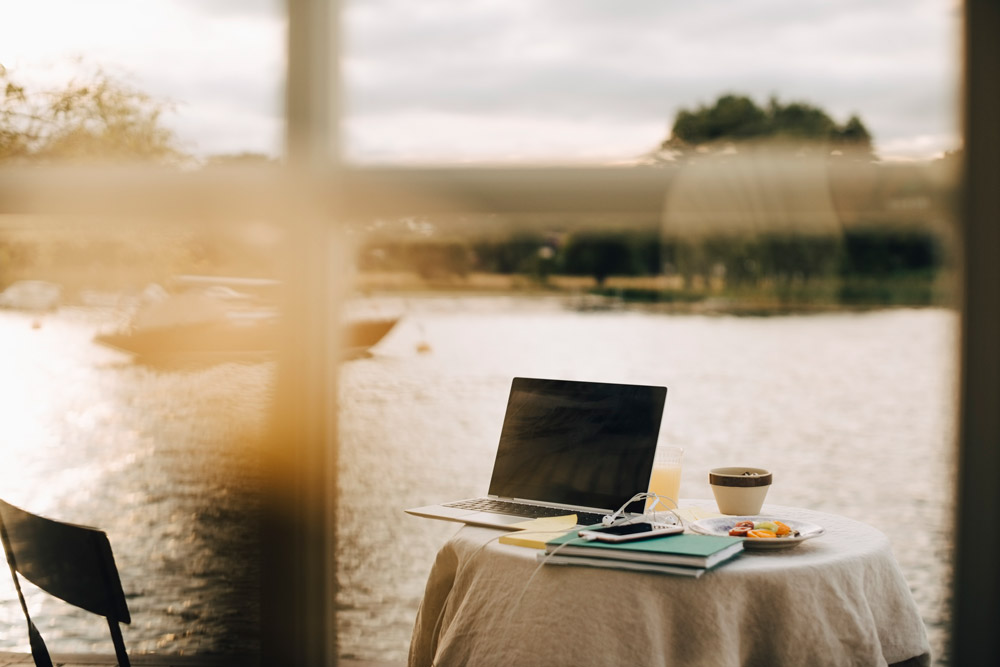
622,565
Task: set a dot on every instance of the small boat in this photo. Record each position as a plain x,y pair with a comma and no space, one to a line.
218,340
197,327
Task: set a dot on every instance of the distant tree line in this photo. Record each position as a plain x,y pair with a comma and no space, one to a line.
773,261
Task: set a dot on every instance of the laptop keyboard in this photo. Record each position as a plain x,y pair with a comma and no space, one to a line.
523,509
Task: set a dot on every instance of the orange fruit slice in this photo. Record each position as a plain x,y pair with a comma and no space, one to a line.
761,534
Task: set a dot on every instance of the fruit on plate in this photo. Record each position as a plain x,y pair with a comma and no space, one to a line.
783,529
741,529
760,533
762,530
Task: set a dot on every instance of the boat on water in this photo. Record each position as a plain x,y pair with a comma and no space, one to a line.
202,326
216,340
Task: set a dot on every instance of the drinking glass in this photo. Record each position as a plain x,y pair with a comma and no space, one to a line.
665,480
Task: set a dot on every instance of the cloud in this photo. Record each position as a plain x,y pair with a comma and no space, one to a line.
501,138
230,8
635,64
515,77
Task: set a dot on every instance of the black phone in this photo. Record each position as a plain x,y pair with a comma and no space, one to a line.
630,531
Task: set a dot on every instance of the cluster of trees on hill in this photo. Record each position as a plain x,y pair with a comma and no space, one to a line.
734,119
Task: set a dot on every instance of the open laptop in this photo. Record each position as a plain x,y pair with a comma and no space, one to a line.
566,447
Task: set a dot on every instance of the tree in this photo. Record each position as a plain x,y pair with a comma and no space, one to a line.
854,133
734,119
732,116
599,255
798,120
98,119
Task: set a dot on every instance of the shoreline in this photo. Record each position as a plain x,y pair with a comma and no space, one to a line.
667,294
657,294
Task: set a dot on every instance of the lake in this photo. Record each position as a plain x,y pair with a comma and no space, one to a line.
853,411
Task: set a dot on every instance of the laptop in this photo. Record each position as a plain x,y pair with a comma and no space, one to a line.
566,447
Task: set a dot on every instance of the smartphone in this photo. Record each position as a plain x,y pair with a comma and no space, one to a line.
629,532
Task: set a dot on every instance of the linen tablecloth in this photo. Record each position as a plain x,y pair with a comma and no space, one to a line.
837,599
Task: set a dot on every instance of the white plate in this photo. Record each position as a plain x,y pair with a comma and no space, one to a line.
723,524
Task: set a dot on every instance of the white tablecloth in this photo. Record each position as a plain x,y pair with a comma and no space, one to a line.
837,599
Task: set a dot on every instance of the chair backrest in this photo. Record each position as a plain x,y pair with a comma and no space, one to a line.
73,563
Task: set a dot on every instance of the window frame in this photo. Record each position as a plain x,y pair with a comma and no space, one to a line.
299,587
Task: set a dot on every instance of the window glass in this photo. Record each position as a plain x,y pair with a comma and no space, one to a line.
750,204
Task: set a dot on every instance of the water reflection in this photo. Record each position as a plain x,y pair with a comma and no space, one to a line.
163,462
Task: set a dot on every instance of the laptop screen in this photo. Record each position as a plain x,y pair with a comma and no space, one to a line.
578,443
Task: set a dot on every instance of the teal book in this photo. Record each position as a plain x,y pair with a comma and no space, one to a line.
701,551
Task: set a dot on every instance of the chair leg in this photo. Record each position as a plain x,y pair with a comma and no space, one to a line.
39,653
116,637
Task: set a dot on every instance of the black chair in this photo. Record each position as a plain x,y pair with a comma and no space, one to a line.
73,563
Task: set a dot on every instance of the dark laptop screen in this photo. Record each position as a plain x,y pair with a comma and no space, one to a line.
577,443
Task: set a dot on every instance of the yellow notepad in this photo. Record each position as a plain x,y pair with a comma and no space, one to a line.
536,532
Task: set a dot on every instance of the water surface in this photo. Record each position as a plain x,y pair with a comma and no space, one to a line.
854,413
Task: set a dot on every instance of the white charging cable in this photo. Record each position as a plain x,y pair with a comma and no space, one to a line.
648,514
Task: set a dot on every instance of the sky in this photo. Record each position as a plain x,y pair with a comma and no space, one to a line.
511,81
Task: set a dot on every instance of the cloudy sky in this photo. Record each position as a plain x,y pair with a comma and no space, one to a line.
592,81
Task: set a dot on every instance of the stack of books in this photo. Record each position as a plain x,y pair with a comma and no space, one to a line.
681,554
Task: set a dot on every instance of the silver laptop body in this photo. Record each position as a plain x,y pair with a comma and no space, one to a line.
566,447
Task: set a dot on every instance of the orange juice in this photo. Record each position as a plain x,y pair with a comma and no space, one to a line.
665,481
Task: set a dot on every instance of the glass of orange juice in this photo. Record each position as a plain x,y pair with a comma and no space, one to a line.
665,480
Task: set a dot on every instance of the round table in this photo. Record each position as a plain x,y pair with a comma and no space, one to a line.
837,599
